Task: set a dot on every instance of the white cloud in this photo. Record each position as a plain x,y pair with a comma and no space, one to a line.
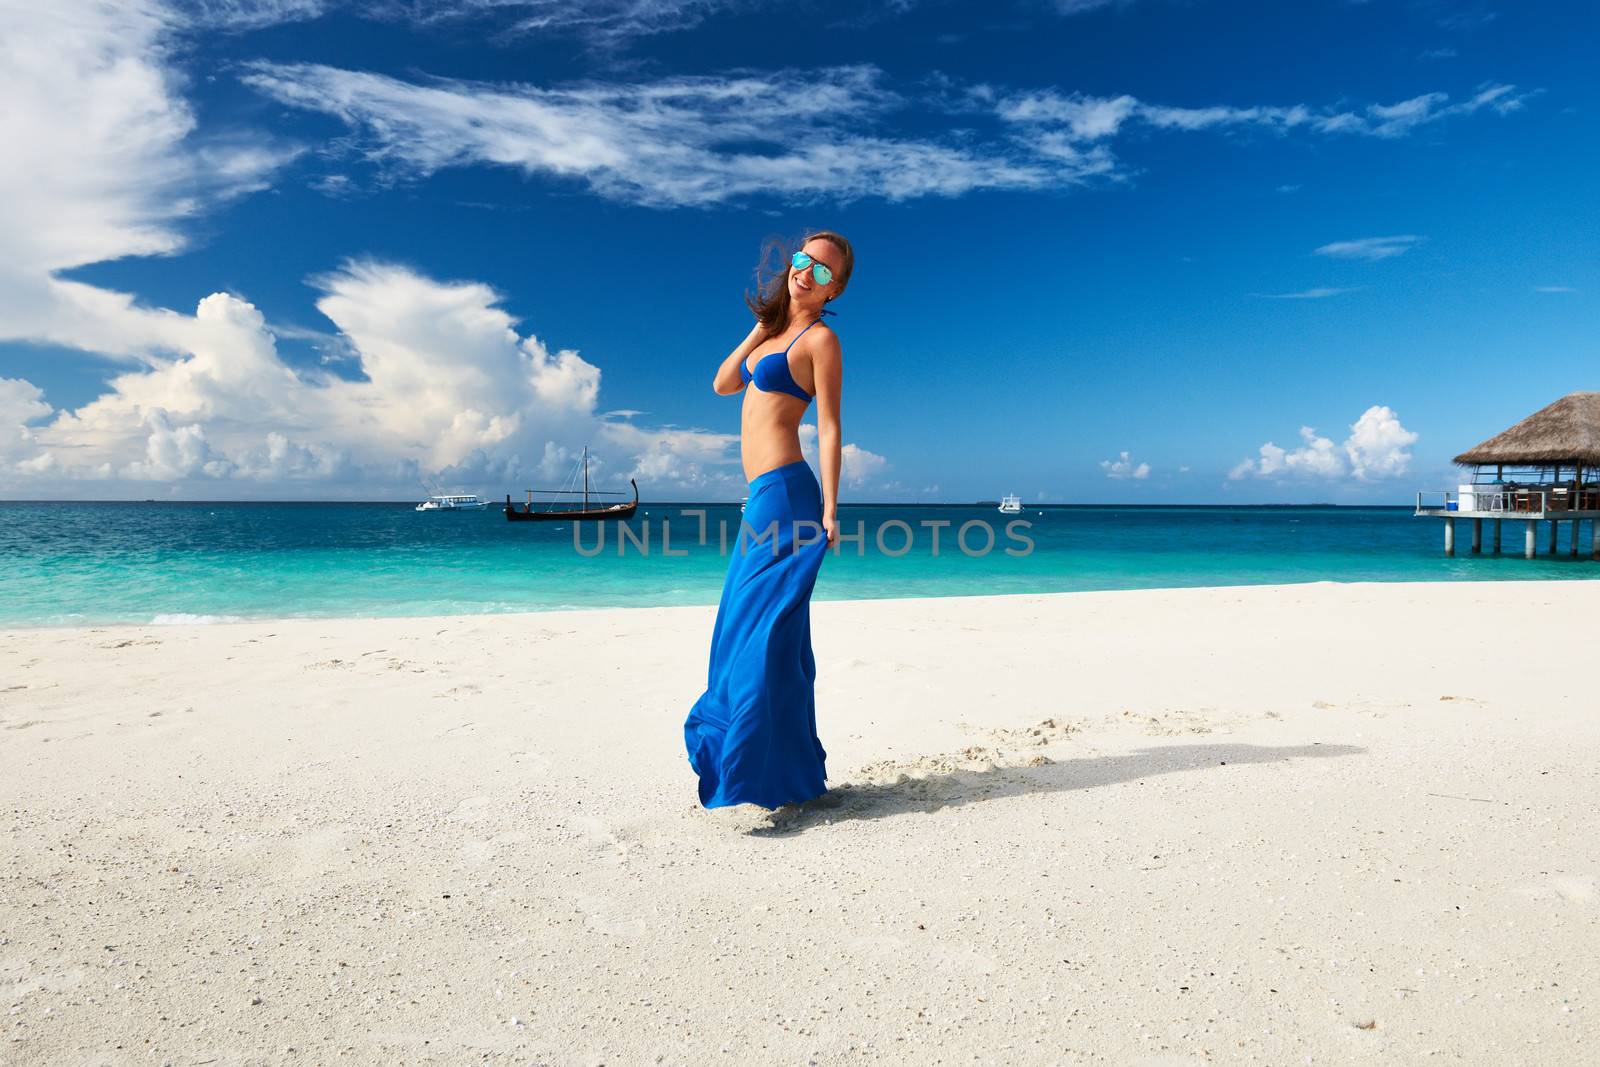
1088,117
1554,289
240,15
1400,119
793,134
102,161
1084,117
174,452
690,460
602,24
1205,118
1123,468
21,402
1319,293
857,466
1377,447
447,389
1370,248
1317,456
605,23
659,143
1079,7
446,383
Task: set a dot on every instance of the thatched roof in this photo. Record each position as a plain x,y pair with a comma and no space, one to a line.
1567,431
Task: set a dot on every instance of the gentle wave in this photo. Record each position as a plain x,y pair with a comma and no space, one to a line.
184,619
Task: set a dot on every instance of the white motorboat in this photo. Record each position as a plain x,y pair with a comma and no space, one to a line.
1011,505
453,502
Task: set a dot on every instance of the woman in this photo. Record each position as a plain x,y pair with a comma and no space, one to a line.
752,736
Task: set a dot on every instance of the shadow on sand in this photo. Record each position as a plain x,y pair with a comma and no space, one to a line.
877,800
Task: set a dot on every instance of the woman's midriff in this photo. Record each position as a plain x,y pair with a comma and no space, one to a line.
769,431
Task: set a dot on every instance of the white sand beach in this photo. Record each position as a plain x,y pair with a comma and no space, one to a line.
1310,824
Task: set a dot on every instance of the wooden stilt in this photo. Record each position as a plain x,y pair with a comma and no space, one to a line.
1573,551
1555,532
1477,536
1497,537
1594,538
1528,548
1449,537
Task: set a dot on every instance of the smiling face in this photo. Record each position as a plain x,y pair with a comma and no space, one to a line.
804,291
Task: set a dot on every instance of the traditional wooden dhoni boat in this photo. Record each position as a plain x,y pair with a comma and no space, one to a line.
552,513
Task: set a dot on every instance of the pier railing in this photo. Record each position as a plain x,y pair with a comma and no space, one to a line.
1527,500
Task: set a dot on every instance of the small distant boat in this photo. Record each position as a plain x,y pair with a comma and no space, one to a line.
742,502
1011,505
453,502
610,511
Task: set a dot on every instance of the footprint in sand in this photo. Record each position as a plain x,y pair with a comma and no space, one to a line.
607,917
894,772
324,847
472,809
964,961
1045,732
1013,748
480,850
1180,722
1577,890
1572,888
878,946
834,801
611,848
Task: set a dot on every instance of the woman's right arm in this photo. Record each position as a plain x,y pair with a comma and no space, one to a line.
728,380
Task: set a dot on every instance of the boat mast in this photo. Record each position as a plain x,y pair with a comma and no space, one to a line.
585,477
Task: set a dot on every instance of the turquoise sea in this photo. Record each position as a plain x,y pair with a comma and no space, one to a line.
75,563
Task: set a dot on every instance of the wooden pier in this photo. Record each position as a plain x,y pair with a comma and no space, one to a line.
1498,515
1542,470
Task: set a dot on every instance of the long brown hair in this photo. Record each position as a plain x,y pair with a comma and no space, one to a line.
770,301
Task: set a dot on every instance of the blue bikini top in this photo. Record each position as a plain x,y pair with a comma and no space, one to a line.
772,376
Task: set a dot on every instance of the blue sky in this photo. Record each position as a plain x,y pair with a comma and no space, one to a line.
1141,251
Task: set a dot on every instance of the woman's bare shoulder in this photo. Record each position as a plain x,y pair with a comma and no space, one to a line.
824,342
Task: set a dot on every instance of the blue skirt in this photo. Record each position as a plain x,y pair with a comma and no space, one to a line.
752,736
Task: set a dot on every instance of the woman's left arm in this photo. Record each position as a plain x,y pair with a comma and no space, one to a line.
827,366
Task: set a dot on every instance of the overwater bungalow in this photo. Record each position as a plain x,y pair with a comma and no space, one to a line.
1546,468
